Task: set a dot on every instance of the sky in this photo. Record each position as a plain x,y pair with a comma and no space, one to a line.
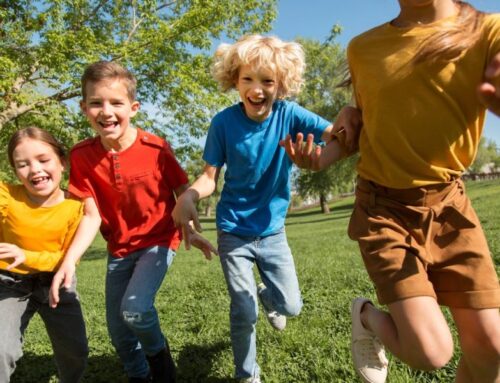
315,18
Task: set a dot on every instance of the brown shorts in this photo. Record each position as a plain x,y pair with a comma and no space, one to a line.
424,241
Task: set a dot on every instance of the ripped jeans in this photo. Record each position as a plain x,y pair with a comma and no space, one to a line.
133,325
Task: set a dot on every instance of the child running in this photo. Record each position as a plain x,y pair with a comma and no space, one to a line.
415,81
253,204
130,178
38,222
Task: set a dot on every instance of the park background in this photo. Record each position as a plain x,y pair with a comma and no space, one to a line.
43,47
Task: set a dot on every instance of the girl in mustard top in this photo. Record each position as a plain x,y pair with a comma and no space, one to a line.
416,81
37,225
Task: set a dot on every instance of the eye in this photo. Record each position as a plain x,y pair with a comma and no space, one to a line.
269,82
94,103
20,165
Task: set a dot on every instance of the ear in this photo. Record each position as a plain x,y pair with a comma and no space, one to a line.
83,107
134,107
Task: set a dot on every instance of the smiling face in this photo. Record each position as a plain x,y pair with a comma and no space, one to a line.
109,109
258,89
39,169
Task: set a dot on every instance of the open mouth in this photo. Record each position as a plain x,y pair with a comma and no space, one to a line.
108,124
259,102
40,181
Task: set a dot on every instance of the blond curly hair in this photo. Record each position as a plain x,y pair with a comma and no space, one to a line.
285,59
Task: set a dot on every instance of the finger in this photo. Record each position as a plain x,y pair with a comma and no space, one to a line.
299,141
54,290
17,262
288,145
68,279
308,148
186,233
196,223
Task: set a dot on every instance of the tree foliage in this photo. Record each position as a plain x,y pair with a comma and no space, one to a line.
45,45
487,155
325,70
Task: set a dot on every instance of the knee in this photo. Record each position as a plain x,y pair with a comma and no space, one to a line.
432,355
135,319
244,314
290,308
482,345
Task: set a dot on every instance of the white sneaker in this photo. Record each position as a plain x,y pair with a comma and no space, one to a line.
368,353
276,320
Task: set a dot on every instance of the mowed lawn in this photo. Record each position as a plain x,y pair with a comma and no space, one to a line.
193,306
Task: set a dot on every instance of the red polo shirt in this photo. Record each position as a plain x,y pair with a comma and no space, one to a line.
133,190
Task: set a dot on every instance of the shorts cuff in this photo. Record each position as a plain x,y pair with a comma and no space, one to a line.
484,299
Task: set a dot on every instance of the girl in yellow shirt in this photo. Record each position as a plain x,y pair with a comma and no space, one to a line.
37,224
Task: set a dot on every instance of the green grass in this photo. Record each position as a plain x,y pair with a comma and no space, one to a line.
193,306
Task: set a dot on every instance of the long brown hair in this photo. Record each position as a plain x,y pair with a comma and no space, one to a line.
38,134
449,44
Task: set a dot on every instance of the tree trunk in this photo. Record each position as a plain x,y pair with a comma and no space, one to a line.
324,204
208,211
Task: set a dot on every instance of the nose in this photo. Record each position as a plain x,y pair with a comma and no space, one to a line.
35,167
106,109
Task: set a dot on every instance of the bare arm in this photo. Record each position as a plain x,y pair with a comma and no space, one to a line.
489,89
85,234
185,208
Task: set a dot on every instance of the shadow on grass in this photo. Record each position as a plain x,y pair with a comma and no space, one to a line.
40,368
194,364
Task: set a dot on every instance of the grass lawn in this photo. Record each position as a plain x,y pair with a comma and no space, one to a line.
194,306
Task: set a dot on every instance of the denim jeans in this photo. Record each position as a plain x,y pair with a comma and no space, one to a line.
275,264
21,296
133,325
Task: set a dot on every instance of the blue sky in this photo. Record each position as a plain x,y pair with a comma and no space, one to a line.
315,18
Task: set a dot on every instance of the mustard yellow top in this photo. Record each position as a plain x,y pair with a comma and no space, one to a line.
44,233
422,124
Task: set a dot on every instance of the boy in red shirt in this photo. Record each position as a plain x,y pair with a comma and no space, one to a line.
131,179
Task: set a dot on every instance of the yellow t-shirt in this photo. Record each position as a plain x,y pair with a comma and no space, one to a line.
44,233
422,125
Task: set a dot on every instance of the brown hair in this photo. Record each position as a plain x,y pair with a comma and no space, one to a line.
38,134
105,70
453,40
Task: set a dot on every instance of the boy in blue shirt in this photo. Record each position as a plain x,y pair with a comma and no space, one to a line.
252,208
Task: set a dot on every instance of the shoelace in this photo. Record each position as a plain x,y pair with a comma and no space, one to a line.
372,351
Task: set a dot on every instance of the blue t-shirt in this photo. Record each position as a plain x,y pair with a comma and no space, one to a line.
256,191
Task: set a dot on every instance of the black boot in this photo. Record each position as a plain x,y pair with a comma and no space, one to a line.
162,367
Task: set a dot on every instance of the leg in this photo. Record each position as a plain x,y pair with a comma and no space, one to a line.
66,329
237,259
140,315
15,314
123,339
414,330
277,270
479,334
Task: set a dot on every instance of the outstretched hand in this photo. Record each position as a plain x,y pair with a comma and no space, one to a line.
304,155
63,278
184,215
489,89
8,250
203,244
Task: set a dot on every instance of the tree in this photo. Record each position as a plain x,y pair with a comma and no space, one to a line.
325,69
486,154
45,45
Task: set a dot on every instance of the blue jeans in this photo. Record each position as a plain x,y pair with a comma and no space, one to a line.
275,264
133,325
